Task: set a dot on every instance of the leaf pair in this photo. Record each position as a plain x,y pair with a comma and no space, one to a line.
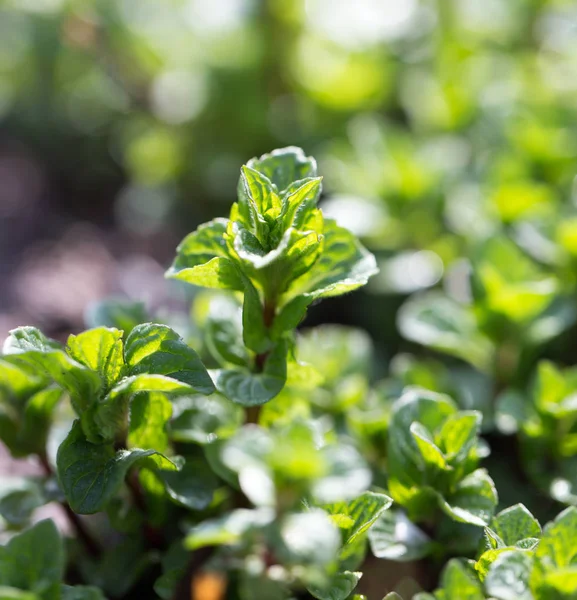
433,454
279,252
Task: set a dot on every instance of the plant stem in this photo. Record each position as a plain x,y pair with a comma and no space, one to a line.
82,532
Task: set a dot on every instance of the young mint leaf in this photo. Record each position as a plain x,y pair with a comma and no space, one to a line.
285,165
100,350
34,561
515,524
394,537
298,200
343,266
197,248
356,517
431,455
27,346
250,389
339,587
149,416
557,549
508,576
91,474
157,349
459,434
405,458
459,581
258,189
473,499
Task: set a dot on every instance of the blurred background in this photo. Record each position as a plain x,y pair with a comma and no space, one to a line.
123,125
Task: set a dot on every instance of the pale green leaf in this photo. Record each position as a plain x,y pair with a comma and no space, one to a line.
100,350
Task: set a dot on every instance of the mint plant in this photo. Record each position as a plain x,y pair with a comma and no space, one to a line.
240,457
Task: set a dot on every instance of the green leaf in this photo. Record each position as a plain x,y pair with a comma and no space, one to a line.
309,538
157,349
19,498
432,456
34,561
356,517
26,428
28,346
343,266
218,273
119,313
100,350
109,417
260,190
441,323
223,332
405,459
515,524
250,389
193,486
228,529
81,592
557,547
149,415
473,500
91,474
199,248
508,576
284,166
459,434
202,419
298,200
459,581
340,586
394,537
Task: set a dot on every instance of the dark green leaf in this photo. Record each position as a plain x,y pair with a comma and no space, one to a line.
250,389
193,486
91,474
34,561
